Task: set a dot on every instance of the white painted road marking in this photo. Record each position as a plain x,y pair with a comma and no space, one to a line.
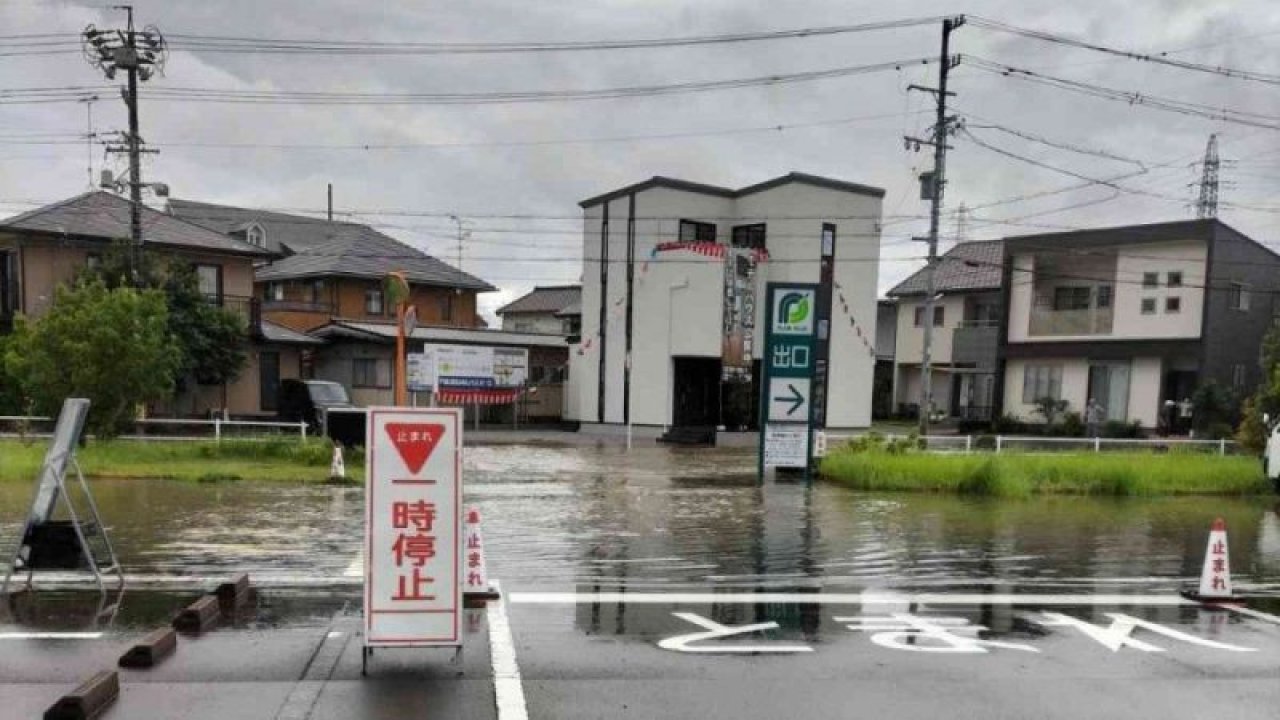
356,568
902,631
1119,634
877,598
507,687
715,631
50,635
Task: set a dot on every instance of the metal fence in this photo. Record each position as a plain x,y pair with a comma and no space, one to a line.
168,428
1036,444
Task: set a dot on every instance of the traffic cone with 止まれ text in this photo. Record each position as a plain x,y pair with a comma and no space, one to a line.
1215,576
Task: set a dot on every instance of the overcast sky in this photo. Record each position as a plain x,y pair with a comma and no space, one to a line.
489,175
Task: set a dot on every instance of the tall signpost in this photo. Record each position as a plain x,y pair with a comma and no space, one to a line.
786,388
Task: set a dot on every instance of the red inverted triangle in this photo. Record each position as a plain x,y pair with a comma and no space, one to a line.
415,442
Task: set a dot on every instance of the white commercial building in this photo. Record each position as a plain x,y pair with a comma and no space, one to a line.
673,296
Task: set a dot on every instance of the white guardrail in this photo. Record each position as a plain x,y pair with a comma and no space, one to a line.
218,426
1034,443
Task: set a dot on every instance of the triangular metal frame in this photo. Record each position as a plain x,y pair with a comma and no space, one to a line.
51,487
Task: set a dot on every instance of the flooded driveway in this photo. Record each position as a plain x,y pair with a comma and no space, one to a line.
567,518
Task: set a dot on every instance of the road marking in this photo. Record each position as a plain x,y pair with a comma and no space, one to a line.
877,598
1248,612
50,635
715,631
507,687
1120,633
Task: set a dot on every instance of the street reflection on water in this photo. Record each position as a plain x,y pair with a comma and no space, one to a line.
599,518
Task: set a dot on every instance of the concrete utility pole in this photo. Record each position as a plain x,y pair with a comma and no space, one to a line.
931,188
141,55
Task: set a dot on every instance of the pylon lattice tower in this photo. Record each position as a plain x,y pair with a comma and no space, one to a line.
1207,204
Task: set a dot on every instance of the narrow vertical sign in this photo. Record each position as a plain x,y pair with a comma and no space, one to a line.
413,527
786,403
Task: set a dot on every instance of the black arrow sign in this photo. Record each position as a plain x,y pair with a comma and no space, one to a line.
795,398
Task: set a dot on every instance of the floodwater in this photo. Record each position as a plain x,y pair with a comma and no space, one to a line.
601,518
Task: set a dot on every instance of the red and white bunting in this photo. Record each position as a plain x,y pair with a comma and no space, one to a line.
485,396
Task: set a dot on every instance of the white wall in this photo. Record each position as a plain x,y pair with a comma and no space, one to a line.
533,322
1144,390
907,387
910,341
678,298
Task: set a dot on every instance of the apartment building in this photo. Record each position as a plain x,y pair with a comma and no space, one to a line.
674,278
1132,317
966,333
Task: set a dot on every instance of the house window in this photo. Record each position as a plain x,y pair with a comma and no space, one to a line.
939,315
446,307
1041,381
749,236
373,301
1237,377
918,319
1150,279
1174,279
1104,296
693,231
1071,298
256,236
273,292
93,261
1239,297
571,325
1173,305
209,281
524,326
1148,306
316,289
368,372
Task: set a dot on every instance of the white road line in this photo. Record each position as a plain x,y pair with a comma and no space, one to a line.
50,635
1255,614
879,598
356,568
507,687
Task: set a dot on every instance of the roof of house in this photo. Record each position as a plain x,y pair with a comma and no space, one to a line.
570,310
271,332
552,299
386,332
687,186
966,267
1128,234
103,215
321,248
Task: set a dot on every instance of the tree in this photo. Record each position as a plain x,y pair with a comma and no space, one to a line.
1253,431
112,346
213,341
1213,409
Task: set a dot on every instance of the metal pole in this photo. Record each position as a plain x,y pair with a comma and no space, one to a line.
135,158
938,180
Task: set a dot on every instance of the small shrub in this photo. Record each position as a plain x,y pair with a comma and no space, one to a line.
984,442
1008,425
1121,429
1072,425
1218,431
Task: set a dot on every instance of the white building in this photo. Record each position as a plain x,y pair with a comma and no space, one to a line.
655,257
1134,317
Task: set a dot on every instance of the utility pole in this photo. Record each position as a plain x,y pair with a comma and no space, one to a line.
141,55
1207,205
932,184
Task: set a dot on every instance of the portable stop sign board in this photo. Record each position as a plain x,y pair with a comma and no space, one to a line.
413,528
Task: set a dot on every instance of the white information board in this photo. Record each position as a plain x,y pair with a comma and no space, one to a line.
785,446
467,367
413,527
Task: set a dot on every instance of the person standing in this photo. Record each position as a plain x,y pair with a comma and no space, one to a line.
1093,416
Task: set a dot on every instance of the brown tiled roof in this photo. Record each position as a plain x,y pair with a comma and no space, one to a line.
967,266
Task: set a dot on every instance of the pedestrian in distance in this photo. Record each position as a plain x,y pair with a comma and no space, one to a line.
1093,415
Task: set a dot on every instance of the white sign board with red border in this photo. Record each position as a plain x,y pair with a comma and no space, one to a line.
413,528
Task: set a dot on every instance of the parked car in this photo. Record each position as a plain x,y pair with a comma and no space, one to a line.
326,407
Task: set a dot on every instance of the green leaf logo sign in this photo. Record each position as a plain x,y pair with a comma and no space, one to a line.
794,308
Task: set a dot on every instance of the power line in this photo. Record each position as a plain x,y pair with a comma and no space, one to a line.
1158,59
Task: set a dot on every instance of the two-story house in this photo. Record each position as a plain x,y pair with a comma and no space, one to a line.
674,293
966,338
550,309
1133,317
45,247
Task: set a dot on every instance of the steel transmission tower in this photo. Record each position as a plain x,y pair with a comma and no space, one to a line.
1207,205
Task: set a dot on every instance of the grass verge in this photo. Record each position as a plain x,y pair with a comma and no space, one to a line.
196,460
1019,475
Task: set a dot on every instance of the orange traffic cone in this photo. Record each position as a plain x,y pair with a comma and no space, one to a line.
1215,577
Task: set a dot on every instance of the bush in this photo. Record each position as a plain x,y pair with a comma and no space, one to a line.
1252,434
1072,425
984,442
1008,425
1120,429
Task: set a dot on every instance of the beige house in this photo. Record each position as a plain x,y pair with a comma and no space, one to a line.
47,246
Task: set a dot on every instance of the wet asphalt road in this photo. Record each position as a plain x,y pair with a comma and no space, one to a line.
614,564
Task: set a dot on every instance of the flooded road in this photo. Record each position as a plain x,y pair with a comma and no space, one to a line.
600,517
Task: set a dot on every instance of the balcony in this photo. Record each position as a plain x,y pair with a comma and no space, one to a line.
975,343
248,308
1089,321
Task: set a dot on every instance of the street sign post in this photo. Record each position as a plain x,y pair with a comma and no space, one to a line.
786,402
413,529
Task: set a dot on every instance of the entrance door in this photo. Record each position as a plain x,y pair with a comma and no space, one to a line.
695,396
268,380
1109,385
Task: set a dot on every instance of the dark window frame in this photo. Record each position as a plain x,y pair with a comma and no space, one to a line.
753,236
216,296
1072,297
364,373
446,307
1173,279
374,293
1172,305
1147,306
1150,280
697,231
